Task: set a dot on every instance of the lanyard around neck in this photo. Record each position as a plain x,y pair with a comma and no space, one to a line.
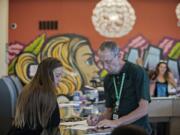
118,96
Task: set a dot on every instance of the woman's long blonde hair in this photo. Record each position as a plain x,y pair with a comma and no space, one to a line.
37,101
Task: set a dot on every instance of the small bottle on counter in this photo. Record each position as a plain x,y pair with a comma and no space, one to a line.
96,96
77,102
76,96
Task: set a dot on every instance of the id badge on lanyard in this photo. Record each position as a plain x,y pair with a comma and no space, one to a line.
118,96
115,113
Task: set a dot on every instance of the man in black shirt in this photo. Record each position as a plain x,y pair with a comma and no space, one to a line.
126,91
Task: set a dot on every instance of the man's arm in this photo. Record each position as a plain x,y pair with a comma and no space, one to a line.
106,114
139,112
127,119
92,120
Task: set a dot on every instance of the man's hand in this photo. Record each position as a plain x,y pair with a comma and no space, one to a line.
92,120
108,123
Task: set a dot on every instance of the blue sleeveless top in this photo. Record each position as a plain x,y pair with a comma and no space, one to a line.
161,89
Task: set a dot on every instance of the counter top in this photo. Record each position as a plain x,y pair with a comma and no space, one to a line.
161,109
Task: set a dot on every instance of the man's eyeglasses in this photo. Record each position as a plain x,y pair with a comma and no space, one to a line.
107,61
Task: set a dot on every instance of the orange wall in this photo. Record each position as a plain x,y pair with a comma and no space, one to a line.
155,19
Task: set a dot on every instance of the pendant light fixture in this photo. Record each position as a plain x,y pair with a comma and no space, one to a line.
113,18
178,14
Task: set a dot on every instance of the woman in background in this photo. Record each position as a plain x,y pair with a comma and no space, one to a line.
37,111
160,79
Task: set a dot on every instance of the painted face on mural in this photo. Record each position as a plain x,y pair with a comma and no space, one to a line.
86,63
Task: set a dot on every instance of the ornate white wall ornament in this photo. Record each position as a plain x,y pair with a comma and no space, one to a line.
113,18
178,14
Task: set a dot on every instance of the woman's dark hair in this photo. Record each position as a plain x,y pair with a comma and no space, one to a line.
37,101
153,74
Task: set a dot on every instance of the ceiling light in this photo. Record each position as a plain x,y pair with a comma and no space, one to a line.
113,18
178,14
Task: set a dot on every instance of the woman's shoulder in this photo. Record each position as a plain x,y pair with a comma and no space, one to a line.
170,74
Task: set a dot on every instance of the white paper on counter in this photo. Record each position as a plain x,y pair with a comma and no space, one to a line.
83,122
78,125
82,127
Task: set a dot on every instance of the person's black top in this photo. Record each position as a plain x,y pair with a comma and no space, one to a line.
135,88
53,123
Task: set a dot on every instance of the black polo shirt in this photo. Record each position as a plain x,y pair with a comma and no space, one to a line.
135,88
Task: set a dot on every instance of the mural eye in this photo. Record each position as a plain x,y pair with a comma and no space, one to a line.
90,61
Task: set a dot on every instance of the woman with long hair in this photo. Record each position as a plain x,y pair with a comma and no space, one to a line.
160,79
37,111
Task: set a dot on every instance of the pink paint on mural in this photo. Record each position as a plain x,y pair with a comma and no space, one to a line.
13,50
166,45
139,42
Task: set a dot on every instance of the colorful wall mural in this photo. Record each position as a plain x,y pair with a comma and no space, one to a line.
77,57
74,51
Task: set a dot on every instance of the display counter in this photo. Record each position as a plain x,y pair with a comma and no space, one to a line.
164,109
67,131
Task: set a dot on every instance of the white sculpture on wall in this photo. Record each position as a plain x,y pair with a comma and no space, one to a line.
178,14
113,18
